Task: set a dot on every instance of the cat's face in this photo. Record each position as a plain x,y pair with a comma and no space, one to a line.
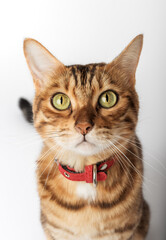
84,109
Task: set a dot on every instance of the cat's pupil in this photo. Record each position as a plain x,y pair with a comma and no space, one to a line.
61,100
106,97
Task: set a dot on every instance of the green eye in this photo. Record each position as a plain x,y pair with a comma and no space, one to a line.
61,101
107,99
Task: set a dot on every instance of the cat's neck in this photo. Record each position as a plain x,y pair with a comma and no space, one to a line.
74,160
125,170
51,153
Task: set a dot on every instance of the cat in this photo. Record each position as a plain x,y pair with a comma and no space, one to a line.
90,170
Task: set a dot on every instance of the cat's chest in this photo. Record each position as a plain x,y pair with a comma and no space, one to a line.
109,237
63,236
86,191
84,233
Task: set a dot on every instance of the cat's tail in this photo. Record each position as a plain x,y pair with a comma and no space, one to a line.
26,108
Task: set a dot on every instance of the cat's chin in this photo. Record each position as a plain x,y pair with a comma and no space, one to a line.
86,148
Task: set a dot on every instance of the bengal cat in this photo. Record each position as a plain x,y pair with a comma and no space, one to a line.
90,170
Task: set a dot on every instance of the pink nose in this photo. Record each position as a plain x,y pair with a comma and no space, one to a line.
83,127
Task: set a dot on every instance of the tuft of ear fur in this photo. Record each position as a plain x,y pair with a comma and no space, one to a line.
40,61
128,60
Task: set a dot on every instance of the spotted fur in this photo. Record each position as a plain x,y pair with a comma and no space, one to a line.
116,209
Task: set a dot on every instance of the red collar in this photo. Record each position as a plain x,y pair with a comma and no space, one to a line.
91,174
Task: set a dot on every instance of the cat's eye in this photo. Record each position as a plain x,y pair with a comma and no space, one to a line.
61,101
108,99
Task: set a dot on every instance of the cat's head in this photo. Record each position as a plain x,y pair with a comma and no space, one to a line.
87,110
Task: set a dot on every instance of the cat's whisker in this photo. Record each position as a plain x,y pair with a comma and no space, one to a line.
132,165
145,161
60,154
47,177
32,141
119,158
37,141
125,169
30,136
120,135
132,142
20,141
45,168
129,140
54,132
13,135
34,136
120,152
54,162
127,159
145,185
46,153
138,173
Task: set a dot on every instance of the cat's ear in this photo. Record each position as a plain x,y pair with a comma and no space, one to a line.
40,61
127,61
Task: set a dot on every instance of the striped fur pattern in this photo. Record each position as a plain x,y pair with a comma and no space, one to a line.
115,209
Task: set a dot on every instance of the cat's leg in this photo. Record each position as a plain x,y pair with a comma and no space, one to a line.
142,228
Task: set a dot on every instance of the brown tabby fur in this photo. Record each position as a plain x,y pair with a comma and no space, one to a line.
119,211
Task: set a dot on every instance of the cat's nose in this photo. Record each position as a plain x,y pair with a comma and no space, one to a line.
84,127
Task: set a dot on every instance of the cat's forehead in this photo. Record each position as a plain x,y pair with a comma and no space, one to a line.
84,79
83,74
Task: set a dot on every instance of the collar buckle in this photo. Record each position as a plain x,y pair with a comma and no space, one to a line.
94,175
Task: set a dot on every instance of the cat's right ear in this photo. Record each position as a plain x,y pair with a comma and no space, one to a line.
40,61
126,63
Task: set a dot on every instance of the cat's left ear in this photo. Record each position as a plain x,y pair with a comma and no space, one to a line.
40,61
126,63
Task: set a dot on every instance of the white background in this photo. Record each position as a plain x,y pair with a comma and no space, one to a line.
77,31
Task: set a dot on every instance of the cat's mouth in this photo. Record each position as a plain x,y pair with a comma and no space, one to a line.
85,147
84,142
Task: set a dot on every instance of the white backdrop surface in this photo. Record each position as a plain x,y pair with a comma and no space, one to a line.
79,32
